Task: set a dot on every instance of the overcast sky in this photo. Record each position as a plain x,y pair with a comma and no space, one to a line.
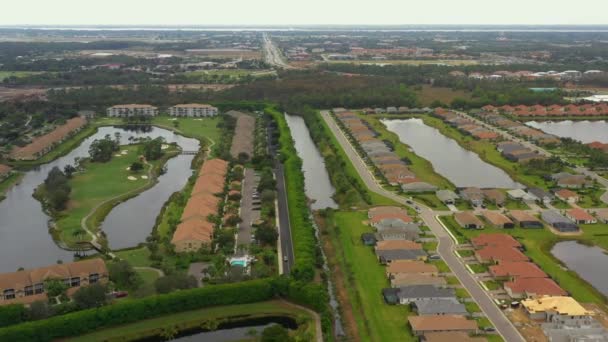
289,12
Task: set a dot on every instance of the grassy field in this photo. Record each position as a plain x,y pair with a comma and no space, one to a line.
365,278
538,244
137,257
152,327
427,95
99,183
198,128
420,166
7,74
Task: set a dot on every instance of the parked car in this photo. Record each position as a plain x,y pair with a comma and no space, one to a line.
120,294
285,258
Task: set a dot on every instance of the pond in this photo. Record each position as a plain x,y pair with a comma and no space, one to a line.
583,131
316,178
589,262
461,167
239,330
24,238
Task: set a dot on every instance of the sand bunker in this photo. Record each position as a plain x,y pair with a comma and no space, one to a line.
131,178
118,155
144,177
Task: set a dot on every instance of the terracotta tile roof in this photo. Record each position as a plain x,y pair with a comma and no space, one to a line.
467,218
193,105
496,239
441,323
133,106
579,214
520,215
496,218
501,254
397,244
451,336
565,194
396,215
517,270
405,266
535,287
43,142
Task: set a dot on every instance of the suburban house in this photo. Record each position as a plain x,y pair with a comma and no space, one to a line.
602,215
5,171
567,195
129,110
573,182
542,195
422,325
509,146
417,279
563,328
27,286
396,244
439,306
474,195
397,230
511,270
559,222
400,267
499,254
388,256
520,195
418,186
525,220
496,239
580,216
451,336
193,110
544,308
533,287
410,294
497,219
467,219
43,144
195,229
447,196
495,196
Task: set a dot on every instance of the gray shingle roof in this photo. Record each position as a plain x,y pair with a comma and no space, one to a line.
442,306
424,291
400,254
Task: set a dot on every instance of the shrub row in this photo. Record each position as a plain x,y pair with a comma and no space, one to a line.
123,312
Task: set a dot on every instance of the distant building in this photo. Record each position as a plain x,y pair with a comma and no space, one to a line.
129,110
193,110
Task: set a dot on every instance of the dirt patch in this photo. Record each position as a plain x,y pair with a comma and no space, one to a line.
338,278
600,314
527,327
22,93
429,94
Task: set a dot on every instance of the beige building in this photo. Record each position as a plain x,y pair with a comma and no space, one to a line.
193,110
128,110
27,286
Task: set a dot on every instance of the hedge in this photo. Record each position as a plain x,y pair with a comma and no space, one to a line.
129,311
12,314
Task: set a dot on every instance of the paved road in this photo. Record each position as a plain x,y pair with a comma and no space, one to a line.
248,215
446,245
272,54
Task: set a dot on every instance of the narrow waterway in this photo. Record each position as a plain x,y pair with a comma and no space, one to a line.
24,237
590,263
318,186
461,167
583,131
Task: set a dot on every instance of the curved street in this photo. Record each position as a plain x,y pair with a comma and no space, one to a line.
446,246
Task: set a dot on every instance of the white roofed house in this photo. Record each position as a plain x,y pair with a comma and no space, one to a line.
193,110
129,110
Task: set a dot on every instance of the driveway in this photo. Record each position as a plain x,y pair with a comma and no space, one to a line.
446,244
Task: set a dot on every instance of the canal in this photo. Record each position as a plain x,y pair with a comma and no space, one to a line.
461,167
24,237
318,186
589,262
583,131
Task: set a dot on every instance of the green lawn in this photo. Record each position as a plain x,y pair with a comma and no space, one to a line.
465,253
430,200
454,228
365,279
420,166
199,128
493,285
479,268
516,205
472,307
590,198
195,318
148,276
7,74
430,246
98,183
138,257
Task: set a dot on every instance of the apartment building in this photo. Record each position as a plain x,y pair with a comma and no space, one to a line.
129,110
193,110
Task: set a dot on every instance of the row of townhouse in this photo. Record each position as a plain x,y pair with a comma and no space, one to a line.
28,286
592,109
185,110
466,126
518,129
394,169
